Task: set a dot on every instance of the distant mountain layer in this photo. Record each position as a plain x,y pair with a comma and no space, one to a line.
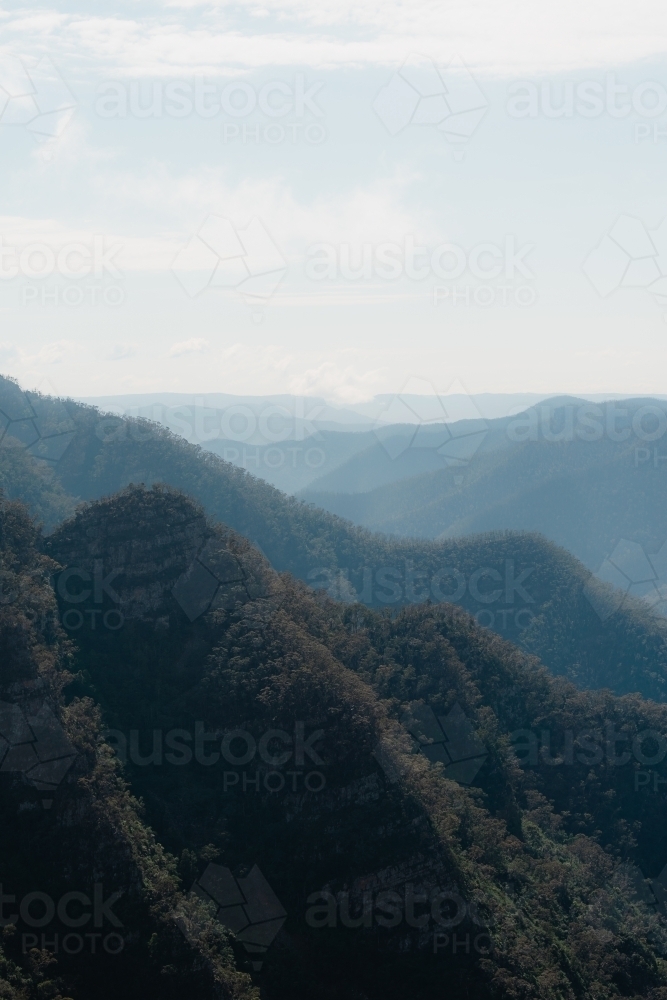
299,443
586,487
401,407
517,584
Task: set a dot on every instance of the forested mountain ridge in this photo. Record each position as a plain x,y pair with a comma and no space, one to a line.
517,583
584,493
276,728
90,898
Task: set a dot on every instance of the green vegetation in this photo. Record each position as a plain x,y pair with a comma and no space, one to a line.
72,830
533,852
551,616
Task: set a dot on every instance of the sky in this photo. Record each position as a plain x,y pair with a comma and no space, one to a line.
334,199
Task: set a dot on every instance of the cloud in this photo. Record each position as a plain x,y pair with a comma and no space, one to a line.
339,383
196,345
376,211
369,213
342,377
125,252
51,354
181,38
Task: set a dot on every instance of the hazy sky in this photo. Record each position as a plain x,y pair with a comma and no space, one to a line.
331,198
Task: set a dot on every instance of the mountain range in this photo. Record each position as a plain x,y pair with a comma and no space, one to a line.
262,751
586,477
281,795
515,582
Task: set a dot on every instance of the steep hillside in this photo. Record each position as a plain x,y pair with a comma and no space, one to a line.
90,900
515,583
582,492
397,453
343,784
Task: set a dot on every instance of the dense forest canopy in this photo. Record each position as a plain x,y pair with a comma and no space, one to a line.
276,758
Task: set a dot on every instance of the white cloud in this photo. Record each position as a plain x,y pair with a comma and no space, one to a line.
339,382
125,252
342,377
196,345
370,213
50,354
494,39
